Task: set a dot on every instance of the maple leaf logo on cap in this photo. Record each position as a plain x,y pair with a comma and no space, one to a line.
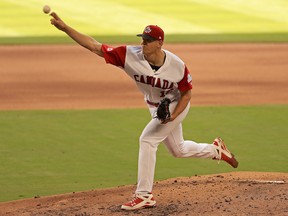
147,29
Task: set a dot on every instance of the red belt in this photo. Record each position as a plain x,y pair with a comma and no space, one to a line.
152,104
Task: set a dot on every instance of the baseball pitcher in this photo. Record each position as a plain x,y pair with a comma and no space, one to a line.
166,84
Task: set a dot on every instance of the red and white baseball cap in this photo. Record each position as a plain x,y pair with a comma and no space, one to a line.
152,32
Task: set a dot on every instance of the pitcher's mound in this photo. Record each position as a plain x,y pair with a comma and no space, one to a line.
239,193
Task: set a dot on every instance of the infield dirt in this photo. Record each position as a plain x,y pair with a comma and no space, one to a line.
69,77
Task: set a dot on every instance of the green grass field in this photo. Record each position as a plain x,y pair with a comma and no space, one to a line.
120,20
52,152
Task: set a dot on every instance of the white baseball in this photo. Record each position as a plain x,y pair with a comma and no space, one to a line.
46,9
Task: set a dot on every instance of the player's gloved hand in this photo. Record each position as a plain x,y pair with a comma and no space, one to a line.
163,112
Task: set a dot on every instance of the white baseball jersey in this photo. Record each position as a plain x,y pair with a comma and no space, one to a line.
172,77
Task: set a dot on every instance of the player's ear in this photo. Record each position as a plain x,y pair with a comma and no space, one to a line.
160,42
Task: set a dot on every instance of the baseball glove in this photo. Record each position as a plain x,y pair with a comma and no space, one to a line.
163,112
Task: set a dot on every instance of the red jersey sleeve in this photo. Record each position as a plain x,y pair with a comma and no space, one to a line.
115,56
186,83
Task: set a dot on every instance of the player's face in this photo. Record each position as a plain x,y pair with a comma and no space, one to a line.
149,46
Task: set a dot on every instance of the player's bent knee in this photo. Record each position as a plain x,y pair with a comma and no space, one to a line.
177,153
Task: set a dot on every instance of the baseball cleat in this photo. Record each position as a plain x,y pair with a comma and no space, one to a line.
140,201
223,153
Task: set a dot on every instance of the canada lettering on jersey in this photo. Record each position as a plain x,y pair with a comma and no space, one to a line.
154,81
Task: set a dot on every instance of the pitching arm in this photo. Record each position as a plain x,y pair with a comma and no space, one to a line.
82,39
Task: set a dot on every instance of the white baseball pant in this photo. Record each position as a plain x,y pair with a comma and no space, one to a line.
171,135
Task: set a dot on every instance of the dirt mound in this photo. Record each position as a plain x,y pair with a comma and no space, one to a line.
238,193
